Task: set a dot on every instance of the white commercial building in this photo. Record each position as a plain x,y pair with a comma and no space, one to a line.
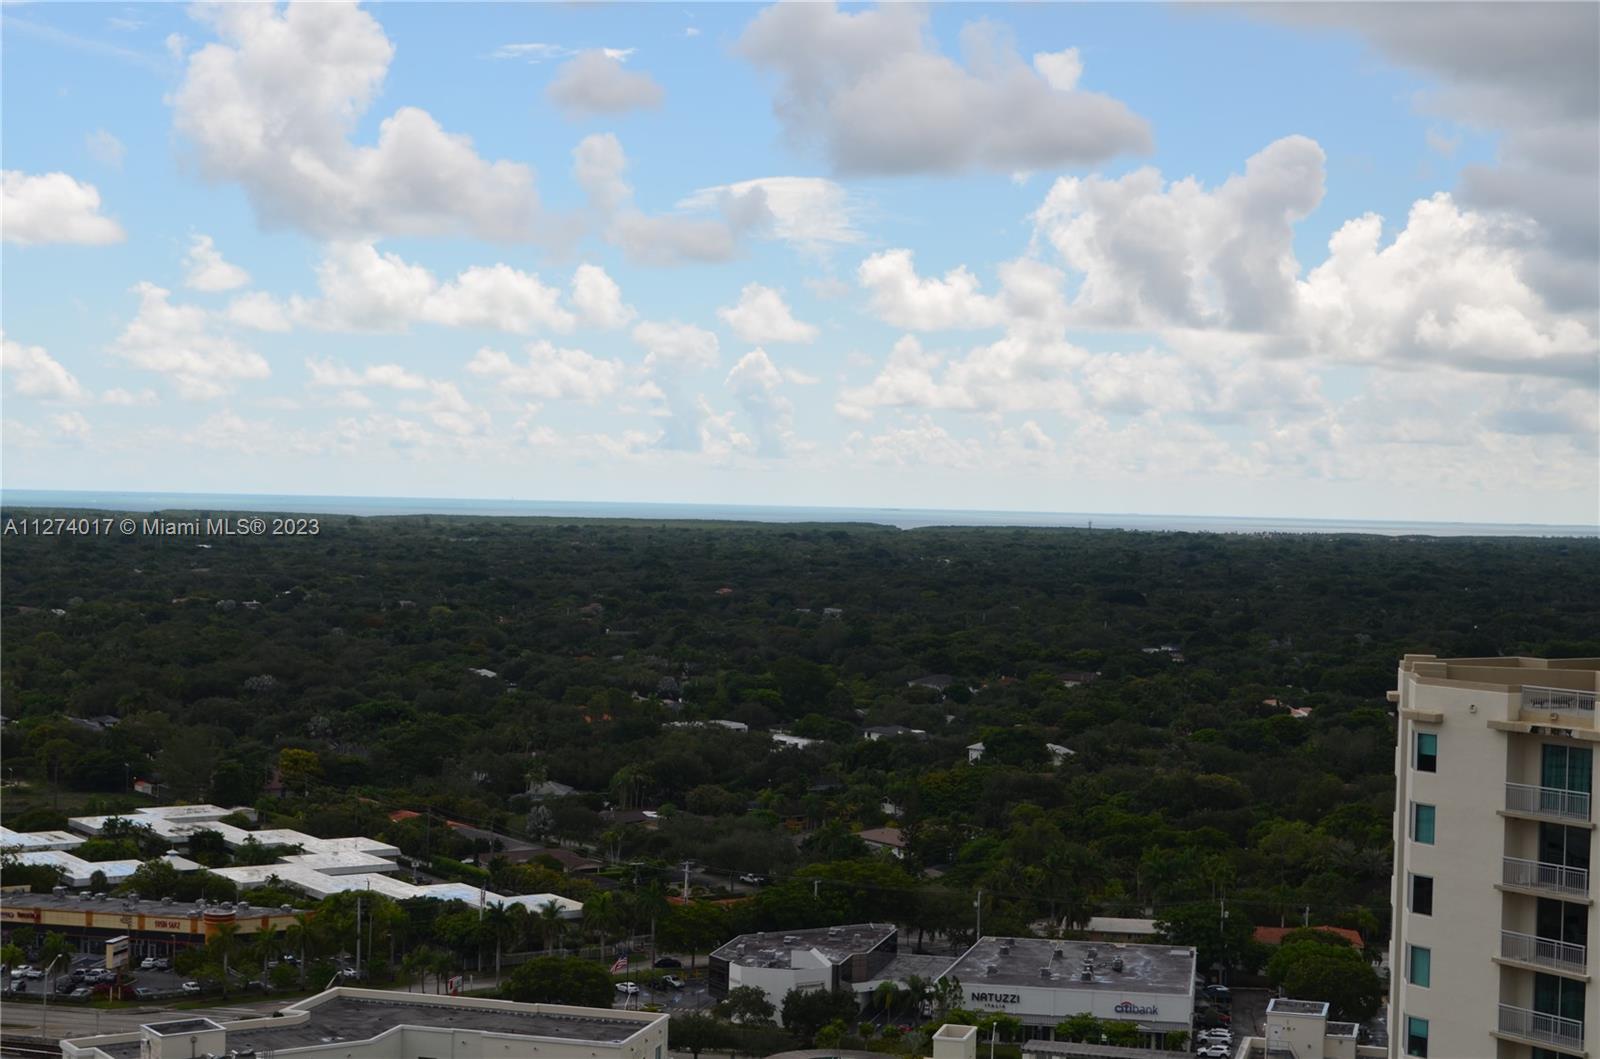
20,841
325,866
1494,823
374,1024
821,958
1299,1029
1042,982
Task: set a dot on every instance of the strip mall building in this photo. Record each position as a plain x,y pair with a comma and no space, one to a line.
153,928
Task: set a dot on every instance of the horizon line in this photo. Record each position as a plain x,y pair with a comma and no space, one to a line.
7,495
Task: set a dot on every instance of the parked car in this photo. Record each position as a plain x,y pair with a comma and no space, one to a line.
191,987
83,992
669,961
1216,1037
627,988
163,964
753,879
20,986
64,986
1219,994
31,972
674,981
349,972
1213,1051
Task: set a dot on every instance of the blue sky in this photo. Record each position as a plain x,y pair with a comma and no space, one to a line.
1064,257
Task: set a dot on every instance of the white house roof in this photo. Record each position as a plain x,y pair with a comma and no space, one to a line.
344,862
370,846
10,839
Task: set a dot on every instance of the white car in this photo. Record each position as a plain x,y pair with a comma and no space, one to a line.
673,980
31,972
148,964
1220,1036
628,988
191,987
1214,1051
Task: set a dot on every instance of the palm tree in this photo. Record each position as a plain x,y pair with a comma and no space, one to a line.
223,942
268,945
885,996
443,963
600,915
501,924
551,925
298,935
416,965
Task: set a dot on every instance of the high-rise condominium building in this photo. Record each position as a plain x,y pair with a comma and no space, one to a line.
1495,932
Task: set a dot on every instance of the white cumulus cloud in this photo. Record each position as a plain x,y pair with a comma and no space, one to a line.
207,271
762,316
676,345
598,299
873,90
271,105
549,373
595,82
53,208
178,341
33,372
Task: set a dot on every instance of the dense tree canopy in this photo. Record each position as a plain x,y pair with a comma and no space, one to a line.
398,677
560,980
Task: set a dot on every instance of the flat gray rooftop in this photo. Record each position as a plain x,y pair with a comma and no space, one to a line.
345,1018
1297,1007
178,909
181,1026
836,944
1151,968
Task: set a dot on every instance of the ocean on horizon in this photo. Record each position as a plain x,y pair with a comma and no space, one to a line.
900,518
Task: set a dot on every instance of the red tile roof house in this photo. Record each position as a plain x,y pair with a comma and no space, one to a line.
1275,935
889,838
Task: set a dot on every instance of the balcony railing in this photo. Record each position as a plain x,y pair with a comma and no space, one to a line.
1546,952
1559,700
1539,875
1536,1025
1547,801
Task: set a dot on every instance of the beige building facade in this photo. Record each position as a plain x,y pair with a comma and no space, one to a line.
377,1024
1494,936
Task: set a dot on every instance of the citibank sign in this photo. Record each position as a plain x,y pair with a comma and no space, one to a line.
1128,1007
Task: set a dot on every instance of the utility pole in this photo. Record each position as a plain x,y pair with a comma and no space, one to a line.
814,884
370,918
978,905
686,879
1222,924
358,936
48,982
1305,917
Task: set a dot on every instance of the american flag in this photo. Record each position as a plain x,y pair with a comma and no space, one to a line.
620,966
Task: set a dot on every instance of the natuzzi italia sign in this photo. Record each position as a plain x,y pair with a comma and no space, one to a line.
1052,1005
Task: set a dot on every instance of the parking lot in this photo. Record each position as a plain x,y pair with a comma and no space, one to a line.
87,972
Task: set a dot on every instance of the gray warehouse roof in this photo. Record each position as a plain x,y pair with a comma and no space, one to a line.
350,1019
835,944
1018,961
